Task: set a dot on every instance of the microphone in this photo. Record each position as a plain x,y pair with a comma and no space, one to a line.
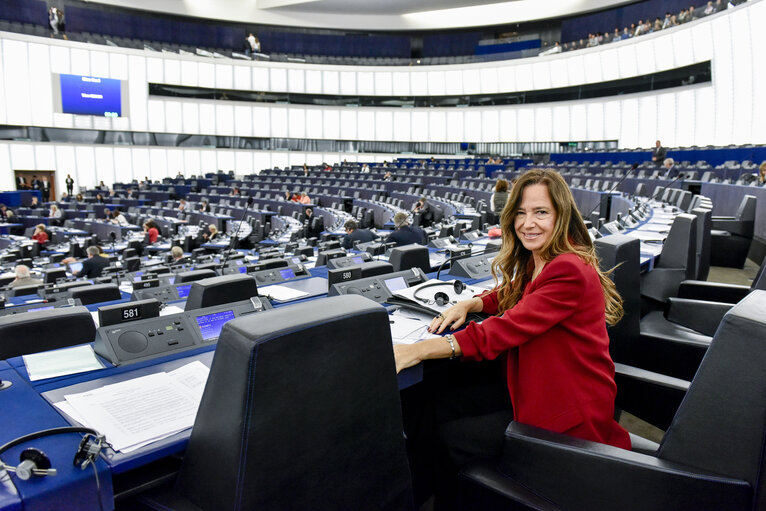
598,204
453,258
234,236
656,194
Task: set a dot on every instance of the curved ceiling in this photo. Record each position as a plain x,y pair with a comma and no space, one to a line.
372,14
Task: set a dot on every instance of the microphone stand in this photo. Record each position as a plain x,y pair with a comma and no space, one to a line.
598,204
234,236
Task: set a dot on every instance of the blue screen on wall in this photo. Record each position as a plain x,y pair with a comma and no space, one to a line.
89,95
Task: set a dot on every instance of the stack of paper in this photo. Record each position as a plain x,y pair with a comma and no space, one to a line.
136,412
408,327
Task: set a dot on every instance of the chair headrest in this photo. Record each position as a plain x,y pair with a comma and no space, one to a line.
25,333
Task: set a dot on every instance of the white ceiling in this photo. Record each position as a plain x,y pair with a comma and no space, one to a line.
372,14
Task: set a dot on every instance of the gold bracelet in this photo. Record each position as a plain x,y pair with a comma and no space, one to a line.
451,340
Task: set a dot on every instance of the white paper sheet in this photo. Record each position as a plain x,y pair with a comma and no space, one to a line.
282,293
144,409
50,364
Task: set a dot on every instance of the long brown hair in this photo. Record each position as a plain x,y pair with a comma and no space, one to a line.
569,236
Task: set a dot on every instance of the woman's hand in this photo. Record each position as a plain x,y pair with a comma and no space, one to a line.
455,316
406,355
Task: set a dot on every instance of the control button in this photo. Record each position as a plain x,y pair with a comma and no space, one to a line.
180,329
176,322
160,332
151,334
172,342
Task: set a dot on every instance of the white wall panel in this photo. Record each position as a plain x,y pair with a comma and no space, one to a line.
758,40
702,37
348,124
189,73
576,70
610,67
471,81
723,74
526,123
559,76
455,125
60,61
384,85
190,117
104,156
667,130
243,120
743,86
191,162
155,72
419,127
401,83
225,160
137,93
141,163
23,157
208,161
402,125
118,66
158,163
41,85
490,126
626,58
86,164
419,83
206,75
65,162
543,124
313,81
384,125
365,82
685,118
629,127
296,80
436,83
175,161
279,122
224,76
331,124
508,125
612,119
437,126
242,78
99,63
560,128
645,61
80,62
45,157
578,122
281,160
647,122
174,117
330,82
314,123
663,53
123,165
296,158
541,75
472,126
348,83
488,79
261,79
596,121
453,82
683,48
261,161
366,125
156,115
16,72
224,119
261,121
592,62
296,123
207,119
172,72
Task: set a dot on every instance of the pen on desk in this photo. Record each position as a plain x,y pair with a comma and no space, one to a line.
391,321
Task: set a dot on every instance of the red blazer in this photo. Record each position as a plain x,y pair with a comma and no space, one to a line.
559,372
40,237
153,234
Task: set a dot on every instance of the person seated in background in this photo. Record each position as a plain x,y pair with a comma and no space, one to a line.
24,278
119,218
55,215
305,170
499,196
34,204
405,234
65,197
79,198
313,229
40,236
426,213
235,192
204,207
129,193
151,229
177,256
304,198
94,264
387,176
212,233
762,174
296,197
671,170
288,196
326,167
101,186
365,169
354,234
6,214
99,198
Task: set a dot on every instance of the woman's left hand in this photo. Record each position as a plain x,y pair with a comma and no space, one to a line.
406,355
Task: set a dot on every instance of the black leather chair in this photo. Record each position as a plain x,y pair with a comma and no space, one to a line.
194,275
410,256
325,434
131,263
97,293
704,225
51,275
731,236
26,290
220,290
711,457
677,261
22,334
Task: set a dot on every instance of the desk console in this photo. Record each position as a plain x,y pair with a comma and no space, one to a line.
136,341
164,294
476,267
380,287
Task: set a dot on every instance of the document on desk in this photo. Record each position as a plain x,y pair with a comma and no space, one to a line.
282,293
50,364
135,412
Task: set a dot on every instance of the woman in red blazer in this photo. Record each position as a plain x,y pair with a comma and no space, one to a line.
548,324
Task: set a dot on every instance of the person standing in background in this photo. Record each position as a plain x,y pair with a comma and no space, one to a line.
45,188
659,153
69,184
21,183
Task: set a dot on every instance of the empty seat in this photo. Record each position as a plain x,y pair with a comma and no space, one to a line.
731,236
